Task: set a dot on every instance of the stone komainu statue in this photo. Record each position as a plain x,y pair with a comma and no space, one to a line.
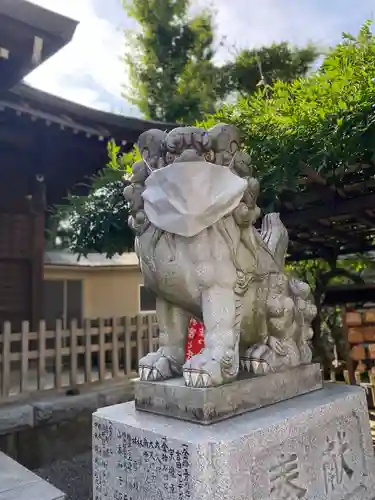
193,203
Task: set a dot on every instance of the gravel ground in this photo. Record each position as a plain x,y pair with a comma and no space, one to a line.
73,477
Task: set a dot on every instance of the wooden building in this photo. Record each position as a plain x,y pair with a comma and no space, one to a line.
47,145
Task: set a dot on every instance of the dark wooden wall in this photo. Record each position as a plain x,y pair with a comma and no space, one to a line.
30,149
21,252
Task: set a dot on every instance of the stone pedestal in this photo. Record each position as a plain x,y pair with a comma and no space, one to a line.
208,405
313,447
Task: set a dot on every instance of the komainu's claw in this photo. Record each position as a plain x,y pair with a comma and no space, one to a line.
203,371
194,378
158,366
261,359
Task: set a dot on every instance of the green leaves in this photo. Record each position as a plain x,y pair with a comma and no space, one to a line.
169,58
98,222
318,272
325,121
264,66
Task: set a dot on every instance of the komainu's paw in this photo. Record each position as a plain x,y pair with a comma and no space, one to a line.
271,357
203,371
159,366
257,359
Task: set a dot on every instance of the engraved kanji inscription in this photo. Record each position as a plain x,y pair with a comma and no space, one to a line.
102,436
284,479
335,466
152,468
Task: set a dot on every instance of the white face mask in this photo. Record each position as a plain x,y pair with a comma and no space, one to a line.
185,198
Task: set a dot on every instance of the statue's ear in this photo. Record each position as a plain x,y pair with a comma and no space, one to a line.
150,143
224,137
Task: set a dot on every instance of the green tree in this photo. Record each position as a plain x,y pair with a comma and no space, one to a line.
262,67
170,60
325,121
172,78
97,222
319,274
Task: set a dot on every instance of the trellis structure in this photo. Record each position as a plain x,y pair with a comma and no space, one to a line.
332,215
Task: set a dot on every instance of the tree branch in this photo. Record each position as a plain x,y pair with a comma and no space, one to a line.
334,273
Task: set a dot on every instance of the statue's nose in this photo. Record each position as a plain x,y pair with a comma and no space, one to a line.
189,155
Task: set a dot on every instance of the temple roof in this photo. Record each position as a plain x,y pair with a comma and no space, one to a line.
55,111
64,258
44,137
62,142
29,35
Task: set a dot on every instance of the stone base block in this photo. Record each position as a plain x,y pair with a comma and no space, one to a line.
313,447
206,405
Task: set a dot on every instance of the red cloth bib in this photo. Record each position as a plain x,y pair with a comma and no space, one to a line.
195,338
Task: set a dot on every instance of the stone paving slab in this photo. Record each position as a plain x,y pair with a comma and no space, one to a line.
18,483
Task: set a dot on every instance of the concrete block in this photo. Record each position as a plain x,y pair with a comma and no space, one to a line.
116,394
207,405
62,408
313,447
15,417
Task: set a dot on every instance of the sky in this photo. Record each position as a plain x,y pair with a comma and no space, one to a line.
90,70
